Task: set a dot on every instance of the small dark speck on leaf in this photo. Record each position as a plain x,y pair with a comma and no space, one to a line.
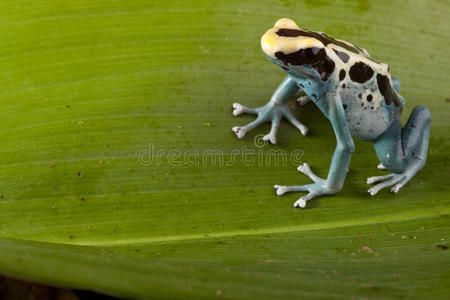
80,174
448,99
52,164
68,105
82,198
443,247
71,236
1,196
370,287
367,249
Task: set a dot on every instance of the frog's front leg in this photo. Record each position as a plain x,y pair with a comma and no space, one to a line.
340,162
273,112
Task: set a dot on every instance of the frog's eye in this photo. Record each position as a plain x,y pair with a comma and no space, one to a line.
307,56
312,51
313,55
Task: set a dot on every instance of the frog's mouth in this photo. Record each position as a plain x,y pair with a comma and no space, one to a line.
284,37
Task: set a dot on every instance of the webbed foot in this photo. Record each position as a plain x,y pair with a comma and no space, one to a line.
318,188
273,112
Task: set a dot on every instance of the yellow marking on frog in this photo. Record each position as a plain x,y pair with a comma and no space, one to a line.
272,43
286,23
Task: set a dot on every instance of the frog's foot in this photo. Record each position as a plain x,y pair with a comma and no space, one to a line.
302,100
318,188
240,109
270,112
397,180
385,181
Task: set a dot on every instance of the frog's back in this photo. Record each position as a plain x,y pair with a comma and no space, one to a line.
365,86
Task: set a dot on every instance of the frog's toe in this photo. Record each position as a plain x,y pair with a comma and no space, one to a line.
271,138
301,203
240,109
237,109
396,188
280,189
239,131
291,118
386,181
381,167
303,100
374,179
404,181
283,189
305,169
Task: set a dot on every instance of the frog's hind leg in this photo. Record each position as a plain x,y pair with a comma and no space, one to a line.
397,85
403,151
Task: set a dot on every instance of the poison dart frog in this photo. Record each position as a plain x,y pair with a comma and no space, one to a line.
355,93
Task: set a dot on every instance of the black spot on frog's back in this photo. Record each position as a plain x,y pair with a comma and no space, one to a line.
342,55
360,72
342,74
384,86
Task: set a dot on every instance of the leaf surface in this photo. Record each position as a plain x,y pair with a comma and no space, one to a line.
119,171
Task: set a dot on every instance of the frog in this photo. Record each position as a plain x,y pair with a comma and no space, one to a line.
356,93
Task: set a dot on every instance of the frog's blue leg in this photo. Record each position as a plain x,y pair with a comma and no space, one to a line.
273,112
396,83
340,162
403,151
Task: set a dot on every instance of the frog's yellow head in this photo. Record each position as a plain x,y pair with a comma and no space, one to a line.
297,50
288,38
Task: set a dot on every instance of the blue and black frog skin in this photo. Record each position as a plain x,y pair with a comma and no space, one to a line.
358,96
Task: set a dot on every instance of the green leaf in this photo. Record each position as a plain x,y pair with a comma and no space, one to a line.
115,115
